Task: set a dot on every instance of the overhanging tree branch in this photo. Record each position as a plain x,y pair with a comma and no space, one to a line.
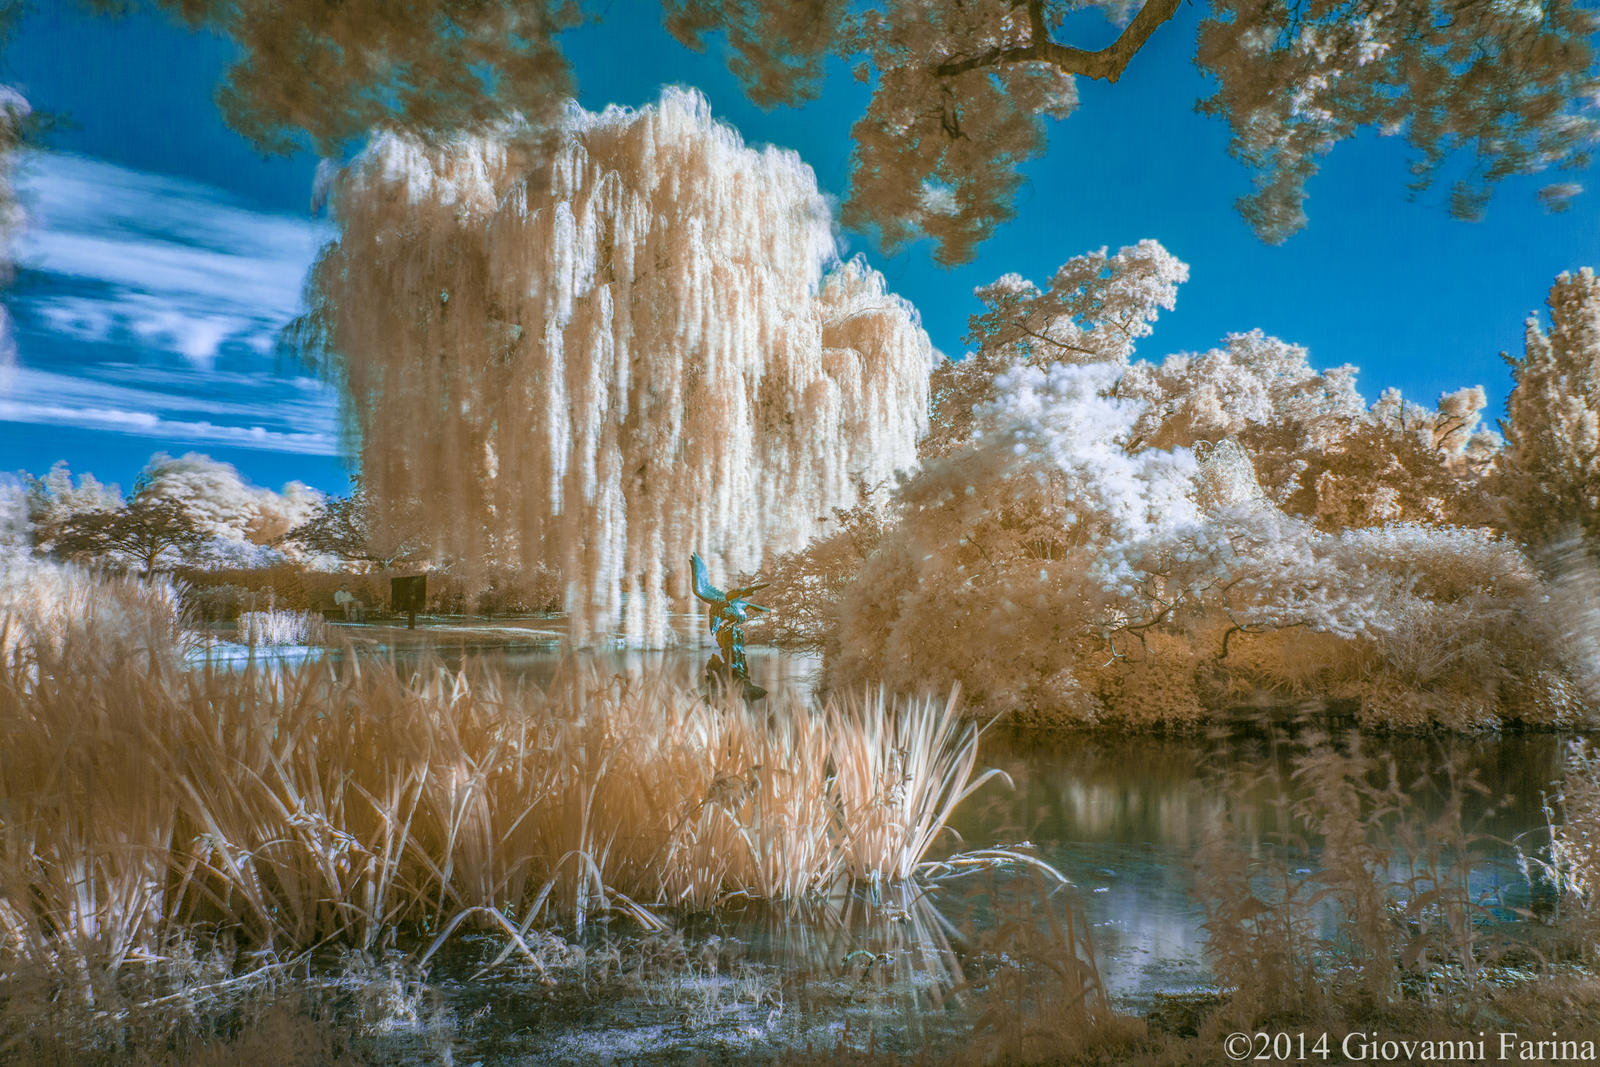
1106,64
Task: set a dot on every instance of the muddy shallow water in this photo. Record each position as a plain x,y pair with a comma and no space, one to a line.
1121,817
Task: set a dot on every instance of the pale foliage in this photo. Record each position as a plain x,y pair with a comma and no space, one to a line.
335,72
961,90
937,150
46,606
237,520
1099,545
1254,387
55,498
277,627
14,112
1513,83
1094,310
613,357
15,532
986,576
1552,459
805,586
222,503
1575,842
1405,462
1317,448
1314,445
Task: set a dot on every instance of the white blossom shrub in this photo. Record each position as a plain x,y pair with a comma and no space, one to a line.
1059,575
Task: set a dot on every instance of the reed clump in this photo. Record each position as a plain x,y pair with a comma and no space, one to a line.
1570,870
278,627
46,605
315,804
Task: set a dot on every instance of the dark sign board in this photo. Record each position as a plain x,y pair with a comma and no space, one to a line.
409,595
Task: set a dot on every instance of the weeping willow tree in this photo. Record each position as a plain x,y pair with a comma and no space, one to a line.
604,358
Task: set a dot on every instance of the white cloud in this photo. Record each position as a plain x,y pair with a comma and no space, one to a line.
151,305
150,424
314,409
171,264
196,335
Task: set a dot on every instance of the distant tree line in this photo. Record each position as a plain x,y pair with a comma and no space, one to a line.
185,511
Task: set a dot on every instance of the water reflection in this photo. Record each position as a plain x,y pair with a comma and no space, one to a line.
1122,817
530,649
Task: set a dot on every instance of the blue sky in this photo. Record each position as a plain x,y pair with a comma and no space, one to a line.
165,253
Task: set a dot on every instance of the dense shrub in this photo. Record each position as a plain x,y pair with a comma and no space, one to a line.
1044,567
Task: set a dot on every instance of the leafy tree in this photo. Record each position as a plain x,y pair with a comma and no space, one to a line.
961,88
340,526
1053,567
221,502
1552,429
236,520
1402,462
148,530
602,361
1095,308
57,497
806,586
1316,448
1313,445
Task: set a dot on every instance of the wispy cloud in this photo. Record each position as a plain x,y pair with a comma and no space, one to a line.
226,398
177,265
151,305
150,424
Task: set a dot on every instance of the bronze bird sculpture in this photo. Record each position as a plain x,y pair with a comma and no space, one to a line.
728,614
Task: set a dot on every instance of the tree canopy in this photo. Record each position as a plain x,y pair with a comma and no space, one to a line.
1094,538
186,510
604,359
961,89
146,530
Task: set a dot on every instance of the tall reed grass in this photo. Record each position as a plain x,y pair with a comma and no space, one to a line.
277,627
45,605
312,804
1570,868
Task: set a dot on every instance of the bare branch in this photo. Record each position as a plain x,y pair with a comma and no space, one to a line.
1106,64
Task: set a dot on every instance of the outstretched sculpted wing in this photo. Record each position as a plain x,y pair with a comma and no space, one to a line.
738,600
702,584
745,590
